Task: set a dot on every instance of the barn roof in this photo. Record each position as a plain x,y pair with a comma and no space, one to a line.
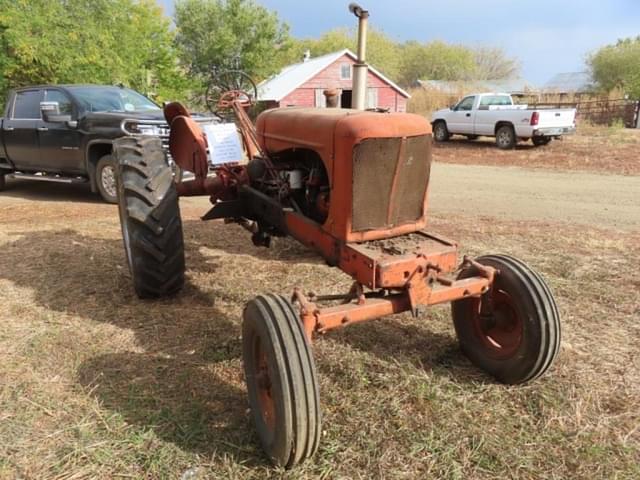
577,82
293,76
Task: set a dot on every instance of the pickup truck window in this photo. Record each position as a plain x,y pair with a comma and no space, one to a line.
112,99
27,105
490,100
466,104
64,103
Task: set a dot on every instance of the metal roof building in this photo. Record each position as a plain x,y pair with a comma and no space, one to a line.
514,86
572,82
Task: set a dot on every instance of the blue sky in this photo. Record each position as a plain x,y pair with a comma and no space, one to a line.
547,36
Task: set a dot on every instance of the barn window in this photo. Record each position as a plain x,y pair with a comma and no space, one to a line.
345,71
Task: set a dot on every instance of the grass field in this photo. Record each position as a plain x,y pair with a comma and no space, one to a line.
95,383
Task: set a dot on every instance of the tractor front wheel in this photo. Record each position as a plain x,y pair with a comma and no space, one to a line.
281,380
149,217
513,331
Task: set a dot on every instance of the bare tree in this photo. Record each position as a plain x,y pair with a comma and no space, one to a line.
493,64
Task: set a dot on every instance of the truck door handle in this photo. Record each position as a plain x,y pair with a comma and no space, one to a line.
43,129
468,114
9,129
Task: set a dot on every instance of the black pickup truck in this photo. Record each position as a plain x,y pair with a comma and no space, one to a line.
64,133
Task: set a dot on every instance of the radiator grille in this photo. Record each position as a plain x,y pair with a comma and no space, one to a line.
377,202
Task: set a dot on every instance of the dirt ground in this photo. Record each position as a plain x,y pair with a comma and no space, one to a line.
596,200
595,149
95,383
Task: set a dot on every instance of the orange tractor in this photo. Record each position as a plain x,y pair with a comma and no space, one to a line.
351,185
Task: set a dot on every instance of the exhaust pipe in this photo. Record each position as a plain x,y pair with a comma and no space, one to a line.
360,69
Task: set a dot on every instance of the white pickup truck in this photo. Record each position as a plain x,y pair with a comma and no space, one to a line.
495,115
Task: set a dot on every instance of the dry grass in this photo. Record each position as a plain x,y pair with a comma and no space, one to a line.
607,150
95,383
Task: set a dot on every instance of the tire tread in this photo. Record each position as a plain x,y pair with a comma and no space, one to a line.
149,205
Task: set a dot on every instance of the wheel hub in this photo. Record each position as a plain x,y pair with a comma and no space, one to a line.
108,179
501,328
264,386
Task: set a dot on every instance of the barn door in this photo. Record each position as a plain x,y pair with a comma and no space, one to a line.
321,100
372,98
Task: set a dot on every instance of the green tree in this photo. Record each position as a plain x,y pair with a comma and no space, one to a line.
221,33
436,61
618,66
383,52
81,41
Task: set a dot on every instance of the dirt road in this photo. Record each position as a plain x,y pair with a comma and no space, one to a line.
523,194
503,192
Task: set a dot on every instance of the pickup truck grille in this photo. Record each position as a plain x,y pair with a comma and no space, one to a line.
390,178
162,129
164,136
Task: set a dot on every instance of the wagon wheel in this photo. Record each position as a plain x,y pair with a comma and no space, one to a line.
513,331
281,380
228,81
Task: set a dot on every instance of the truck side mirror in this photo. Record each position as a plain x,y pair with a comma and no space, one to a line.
51,113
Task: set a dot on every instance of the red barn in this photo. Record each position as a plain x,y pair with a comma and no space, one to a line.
302,84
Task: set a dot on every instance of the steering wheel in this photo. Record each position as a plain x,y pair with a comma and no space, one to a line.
235,96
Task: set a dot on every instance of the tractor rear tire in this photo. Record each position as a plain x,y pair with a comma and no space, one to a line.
149,217
519,340
506,137
281,380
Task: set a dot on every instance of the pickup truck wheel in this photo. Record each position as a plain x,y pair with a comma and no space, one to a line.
149,217
506,137
540,141
440,132
106,179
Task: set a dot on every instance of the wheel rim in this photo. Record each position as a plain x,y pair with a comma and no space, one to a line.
264,386
501,331
504,138
440,132
108,180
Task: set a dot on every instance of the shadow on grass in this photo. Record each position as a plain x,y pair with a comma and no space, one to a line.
183,382
394,340
180,398
484,143
215,234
